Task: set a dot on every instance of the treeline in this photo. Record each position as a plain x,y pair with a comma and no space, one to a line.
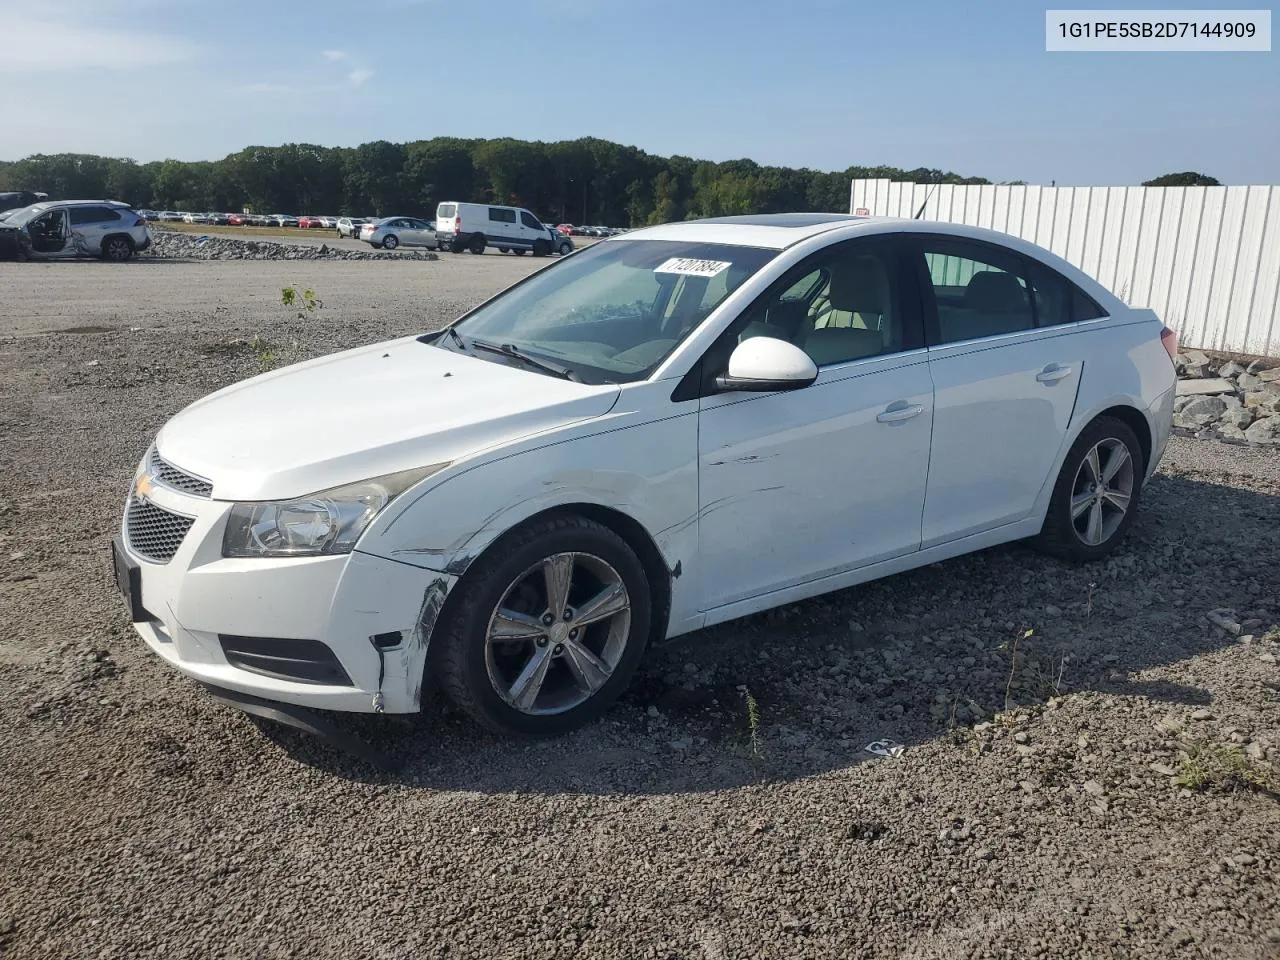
580,181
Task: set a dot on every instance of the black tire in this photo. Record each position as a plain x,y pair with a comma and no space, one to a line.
477,243
117,249
458,650
1061,536
457,246
566,249
541,248
520,251
390,242
504,249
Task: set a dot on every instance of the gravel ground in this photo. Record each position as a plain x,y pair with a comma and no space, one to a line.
1090,790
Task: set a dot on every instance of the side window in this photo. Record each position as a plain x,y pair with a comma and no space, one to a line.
528,220
1051,294
839,306
979,289
500,215
80,215
1057,299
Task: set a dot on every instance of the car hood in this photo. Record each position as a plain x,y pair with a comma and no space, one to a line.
364,413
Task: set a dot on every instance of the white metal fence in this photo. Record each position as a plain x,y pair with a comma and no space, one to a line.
1206,259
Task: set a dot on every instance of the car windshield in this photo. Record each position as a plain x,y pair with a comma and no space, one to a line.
613,312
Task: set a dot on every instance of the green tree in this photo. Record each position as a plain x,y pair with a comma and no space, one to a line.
1184,179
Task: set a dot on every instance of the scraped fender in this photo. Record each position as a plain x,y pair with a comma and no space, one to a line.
647,472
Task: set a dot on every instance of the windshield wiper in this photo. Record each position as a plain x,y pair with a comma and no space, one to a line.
457,337
515,353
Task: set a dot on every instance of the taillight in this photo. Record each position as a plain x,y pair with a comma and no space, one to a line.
457,224
1169,340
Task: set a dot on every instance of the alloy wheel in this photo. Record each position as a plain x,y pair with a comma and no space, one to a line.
558,633
1102,491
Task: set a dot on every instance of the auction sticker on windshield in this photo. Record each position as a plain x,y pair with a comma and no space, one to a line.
693,268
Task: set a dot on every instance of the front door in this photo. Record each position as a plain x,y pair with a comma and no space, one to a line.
805,484
51,234
1005,379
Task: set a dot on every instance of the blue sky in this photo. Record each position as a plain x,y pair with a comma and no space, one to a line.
818,83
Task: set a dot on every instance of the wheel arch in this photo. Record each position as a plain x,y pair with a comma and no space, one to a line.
118,235
632,532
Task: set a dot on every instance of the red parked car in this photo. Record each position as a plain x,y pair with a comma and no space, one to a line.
564,229
237,219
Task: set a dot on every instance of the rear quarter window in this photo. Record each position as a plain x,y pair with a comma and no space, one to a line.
446,210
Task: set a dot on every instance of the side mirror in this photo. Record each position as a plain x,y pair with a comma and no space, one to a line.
766,364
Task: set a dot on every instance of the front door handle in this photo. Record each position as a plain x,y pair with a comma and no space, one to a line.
1054,372
899,411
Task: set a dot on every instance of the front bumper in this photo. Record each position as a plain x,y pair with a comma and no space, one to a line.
199,607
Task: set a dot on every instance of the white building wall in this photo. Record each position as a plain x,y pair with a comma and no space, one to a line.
1206,259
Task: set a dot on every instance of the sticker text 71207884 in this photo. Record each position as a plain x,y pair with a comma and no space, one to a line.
693,268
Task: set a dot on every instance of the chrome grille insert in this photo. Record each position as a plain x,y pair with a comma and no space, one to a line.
170,476
152,532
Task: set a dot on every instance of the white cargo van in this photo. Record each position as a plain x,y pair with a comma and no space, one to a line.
474,226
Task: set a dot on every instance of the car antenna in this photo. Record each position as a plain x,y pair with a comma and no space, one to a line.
927,194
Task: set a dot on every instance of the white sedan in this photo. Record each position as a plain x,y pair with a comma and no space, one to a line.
667,430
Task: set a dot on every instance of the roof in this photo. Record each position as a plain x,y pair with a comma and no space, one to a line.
773,231
67,203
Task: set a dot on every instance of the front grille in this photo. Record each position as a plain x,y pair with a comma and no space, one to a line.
152,532
166,473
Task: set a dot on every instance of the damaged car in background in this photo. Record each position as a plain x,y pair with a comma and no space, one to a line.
67,229
670,429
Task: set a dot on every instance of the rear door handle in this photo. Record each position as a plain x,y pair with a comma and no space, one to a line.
1054,372
901,410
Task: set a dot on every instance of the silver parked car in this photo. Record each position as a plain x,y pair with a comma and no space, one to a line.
392,232
77,228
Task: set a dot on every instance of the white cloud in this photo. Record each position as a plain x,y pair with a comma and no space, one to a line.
358,77
39,44
333,56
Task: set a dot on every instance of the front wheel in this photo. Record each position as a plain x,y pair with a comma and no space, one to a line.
1096,495
390,242
547,630
566,249
520,252
503,249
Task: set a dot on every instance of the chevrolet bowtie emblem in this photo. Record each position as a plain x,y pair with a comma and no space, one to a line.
143,486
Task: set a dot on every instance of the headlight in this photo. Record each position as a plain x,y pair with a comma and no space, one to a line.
328,522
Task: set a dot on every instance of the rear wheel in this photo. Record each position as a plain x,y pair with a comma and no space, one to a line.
1096,494
457,246
477,243
390,241
547,631
118,249
503,249
520,252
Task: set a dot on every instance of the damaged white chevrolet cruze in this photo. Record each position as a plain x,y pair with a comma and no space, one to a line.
666,430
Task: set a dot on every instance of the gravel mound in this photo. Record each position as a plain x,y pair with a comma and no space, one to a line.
188,246
1224,399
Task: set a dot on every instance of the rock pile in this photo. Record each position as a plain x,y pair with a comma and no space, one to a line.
1221,399
188,246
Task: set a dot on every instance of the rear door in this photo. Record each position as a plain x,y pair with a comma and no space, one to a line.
1005,373
446,214
89,224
